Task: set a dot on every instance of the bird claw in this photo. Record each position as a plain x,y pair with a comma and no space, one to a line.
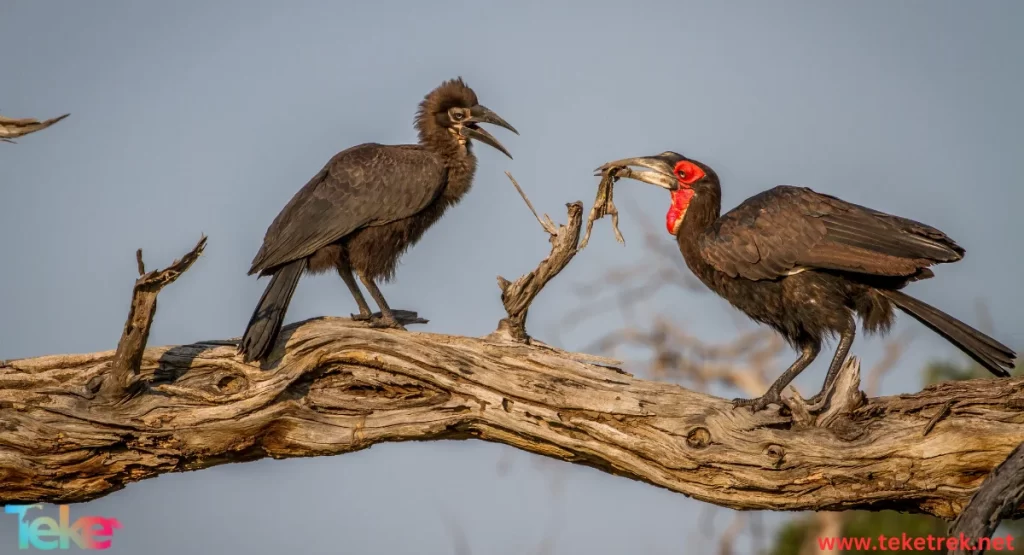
384,322
395,319
760,403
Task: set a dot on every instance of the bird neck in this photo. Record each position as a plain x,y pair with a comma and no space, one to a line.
703,210
459,159
461,169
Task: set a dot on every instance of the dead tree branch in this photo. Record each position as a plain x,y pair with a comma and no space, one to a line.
125,365
334,386
13,128
517,296
339,386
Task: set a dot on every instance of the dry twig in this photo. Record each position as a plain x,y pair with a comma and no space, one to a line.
517,296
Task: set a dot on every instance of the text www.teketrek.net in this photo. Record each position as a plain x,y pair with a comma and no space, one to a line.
917,543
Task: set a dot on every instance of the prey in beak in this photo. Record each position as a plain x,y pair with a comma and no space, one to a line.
469,127
660,169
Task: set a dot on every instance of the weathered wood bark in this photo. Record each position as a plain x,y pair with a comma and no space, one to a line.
341,387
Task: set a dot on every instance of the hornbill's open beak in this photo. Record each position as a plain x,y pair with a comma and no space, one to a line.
481,114
661,165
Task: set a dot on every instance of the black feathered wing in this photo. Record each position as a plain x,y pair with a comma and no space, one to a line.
366,185
789,229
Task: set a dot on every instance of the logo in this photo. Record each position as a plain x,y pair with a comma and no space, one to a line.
45,533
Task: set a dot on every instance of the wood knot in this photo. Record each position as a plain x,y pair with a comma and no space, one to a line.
230,384
776,453
94,384
698,438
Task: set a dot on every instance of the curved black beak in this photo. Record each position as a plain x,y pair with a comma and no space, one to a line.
481,114
661,173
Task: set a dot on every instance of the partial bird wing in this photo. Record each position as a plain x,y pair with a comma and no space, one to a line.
787,229
365,185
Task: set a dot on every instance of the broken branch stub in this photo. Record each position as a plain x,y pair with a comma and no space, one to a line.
127,358
841,399
518,295
11,128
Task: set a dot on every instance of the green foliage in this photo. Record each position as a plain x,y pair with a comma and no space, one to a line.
790,537
893,524
861,524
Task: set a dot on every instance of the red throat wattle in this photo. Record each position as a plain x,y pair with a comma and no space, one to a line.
687,173
680,200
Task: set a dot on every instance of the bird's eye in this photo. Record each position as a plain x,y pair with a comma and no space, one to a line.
457,116
681,174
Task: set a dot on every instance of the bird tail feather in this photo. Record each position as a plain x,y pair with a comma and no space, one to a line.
993,355
265,323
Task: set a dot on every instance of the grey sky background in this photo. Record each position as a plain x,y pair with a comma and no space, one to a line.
205,117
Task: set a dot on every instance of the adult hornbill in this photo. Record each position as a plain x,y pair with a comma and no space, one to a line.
366,207
805,263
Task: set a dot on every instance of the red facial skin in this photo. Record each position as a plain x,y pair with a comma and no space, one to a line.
687,173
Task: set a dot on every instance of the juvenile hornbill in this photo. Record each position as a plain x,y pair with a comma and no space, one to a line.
366,207
805,263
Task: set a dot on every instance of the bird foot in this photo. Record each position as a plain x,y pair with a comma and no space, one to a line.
397,319
760,403
378,320
385,322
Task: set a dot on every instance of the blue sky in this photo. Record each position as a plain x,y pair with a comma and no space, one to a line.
205,117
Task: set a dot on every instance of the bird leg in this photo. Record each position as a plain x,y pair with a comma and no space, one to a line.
842,351
364,309
387,318
774,394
